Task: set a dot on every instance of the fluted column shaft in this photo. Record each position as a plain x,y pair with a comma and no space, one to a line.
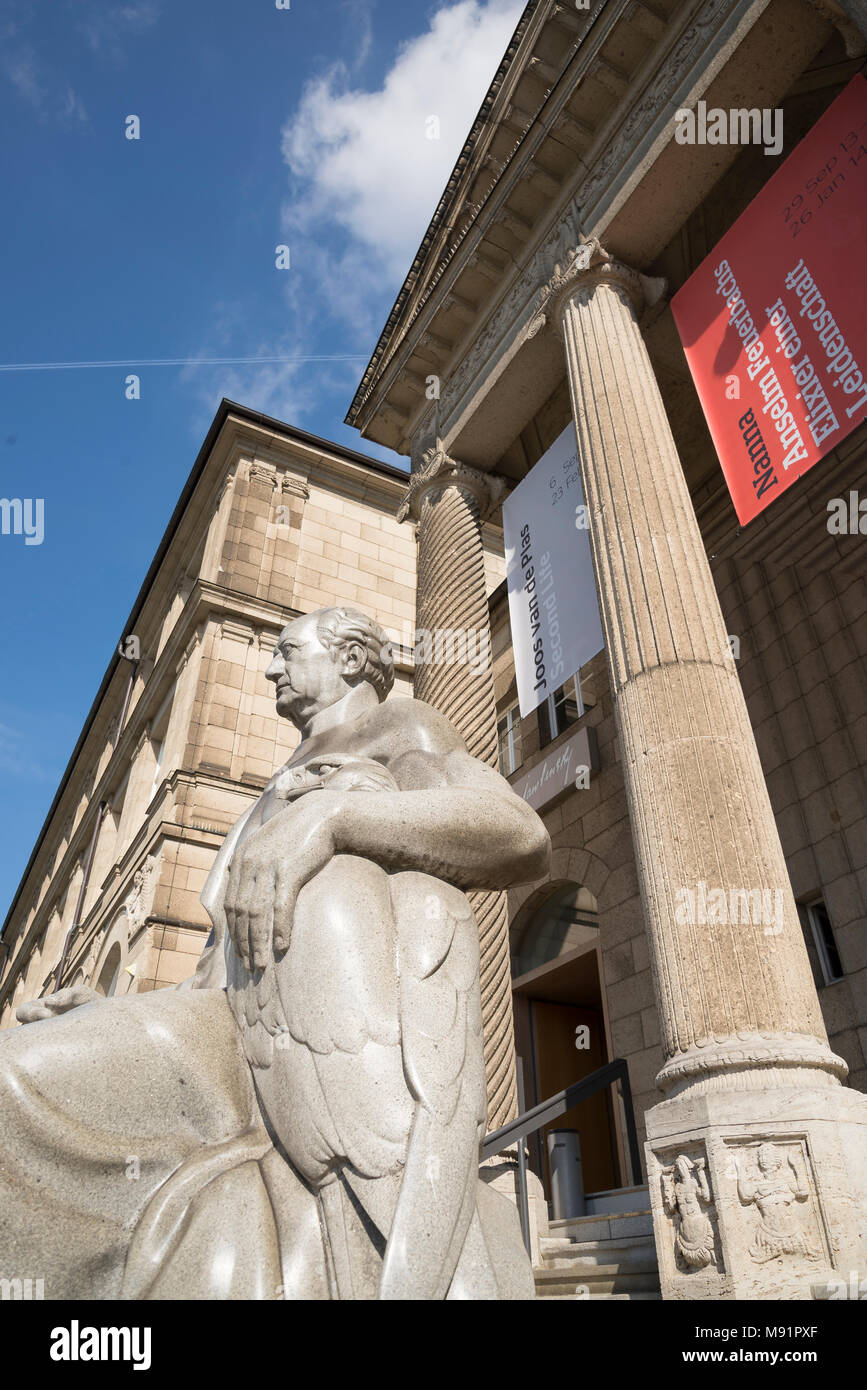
732,993
449,502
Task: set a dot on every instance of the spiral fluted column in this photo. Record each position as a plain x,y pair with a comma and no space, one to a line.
450,502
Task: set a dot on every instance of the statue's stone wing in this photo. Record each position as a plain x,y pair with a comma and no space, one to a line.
440,1006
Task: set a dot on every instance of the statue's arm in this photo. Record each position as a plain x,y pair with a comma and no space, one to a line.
746,1189
453,818
460,822
669,1199
52,1005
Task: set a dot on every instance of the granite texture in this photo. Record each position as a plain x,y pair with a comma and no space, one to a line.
303,1118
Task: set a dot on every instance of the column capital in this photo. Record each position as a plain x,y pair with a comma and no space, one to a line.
589,265
441,471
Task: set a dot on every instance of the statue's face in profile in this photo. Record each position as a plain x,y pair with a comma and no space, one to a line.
305,673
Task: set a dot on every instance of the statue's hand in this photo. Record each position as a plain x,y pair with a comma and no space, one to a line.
269,870
54,1004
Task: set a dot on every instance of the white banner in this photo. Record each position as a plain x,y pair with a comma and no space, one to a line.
553,608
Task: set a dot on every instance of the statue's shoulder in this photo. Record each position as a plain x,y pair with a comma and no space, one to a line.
404,724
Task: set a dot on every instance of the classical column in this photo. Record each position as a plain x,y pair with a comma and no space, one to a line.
453,673
751,1159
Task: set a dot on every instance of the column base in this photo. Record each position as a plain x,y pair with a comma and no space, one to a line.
760,1193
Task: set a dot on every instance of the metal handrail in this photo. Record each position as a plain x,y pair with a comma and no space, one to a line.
552,1109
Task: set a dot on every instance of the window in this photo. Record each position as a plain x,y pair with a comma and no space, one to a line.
509,741
559,711
158,736
567,919
821,936
158,746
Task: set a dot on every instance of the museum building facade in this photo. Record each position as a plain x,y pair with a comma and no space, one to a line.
183,733
719,739
724,732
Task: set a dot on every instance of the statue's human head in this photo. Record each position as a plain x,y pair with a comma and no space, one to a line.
320,657
682,1167
768,1158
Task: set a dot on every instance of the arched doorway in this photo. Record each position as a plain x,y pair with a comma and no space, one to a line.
106,981
560,1029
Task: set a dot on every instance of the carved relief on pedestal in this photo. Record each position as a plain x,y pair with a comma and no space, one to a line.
687,1199
775,1183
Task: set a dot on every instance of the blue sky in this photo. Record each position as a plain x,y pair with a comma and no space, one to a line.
259,127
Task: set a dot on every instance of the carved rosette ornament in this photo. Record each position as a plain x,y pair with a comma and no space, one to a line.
450,500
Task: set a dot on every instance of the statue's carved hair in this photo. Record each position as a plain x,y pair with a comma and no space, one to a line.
338,627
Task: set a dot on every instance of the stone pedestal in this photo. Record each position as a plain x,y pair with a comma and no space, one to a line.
786,1170
753,1088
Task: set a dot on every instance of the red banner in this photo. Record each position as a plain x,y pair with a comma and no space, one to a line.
774,321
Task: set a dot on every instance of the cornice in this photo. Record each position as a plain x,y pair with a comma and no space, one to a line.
504,79
697,45
461,221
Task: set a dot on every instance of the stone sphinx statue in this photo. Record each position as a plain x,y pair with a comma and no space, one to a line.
303,1119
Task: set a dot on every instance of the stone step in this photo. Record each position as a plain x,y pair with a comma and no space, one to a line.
616,1225
617,1199
602,1256
599,1281
606,1297
639,1253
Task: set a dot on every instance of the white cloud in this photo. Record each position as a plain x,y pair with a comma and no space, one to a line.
362,160
72,110
107,29
21,69
365,182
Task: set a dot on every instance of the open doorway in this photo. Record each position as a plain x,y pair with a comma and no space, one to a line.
561,1034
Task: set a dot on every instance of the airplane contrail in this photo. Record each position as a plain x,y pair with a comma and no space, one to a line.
179,362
